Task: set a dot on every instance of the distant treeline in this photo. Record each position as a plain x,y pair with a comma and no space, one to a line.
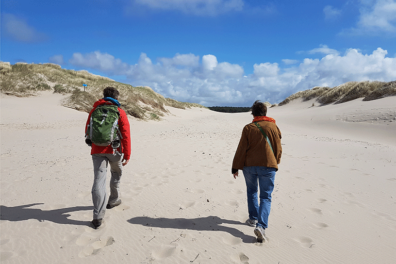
229,109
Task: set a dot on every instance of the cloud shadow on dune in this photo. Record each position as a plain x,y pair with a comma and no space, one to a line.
59,216
210,223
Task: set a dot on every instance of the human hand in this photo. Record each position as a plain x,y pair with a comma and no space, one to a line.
235,175
125,162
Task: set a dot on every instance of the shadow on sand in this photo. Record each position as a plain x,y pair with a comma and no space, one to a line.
210,223
59,216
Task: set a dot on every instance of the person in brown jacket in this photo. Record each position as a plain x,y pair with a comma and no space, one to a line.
258,155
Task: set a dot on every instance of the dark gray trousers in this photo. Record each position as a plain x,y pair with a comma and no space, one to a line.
100,164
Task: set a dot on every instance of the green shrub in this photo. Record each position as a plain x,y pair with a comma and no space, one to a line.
43,87
154,116
59,89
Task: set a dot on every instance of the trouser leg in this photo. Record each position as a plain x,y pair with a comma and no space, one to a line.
99,186
266,181
116,173
251,190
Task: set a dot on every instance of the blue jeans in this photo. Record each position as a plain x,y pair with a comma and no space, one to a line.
264,177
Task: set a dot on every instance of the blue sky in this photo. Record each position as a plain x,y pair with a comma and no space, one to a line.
213,52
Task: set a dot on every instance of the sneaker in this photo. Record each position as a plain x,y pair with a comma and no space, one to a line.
260,233
96,223
251,222
117,203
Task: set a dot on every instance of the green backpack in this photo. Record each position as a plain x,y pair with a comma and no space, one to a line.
103,127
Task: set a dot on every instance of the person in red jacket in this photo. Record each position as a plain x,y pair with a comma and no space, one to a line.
103,156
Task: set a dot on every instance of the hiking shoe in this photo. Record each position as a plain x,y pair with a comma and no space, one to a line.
96,223
117,203
260,233
251,222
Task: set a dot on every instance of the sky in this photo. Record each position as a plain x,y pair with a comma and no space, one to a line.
212,52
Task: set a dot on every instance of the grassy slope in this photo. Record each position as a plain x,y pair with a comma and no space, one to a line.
346,92
28,79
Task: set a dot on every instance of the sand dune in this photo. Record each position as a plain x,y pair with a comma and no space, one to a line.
334,200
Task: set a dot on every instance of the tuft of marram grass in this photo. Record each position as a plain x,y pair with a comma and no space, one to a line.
388,89
306,95
369,90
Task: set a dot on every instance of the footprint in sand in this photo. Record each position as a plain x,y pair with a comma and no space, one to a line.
384,216
231,240
236,191
4,255
4,241
305,242
356,203
103,243
316,210
232,203
163,251
94,247
239,258
196,180
194,190
187,204
85,239
243,258
320,225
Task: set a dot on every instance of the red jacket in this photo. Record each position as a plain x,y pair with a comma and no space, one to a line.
123,124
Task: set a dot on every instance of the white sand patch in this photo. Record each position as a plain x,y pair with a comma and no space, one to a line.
334,200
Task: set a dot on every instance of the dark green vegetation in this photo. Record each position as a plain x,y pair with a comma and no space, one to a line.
346,92
229,109
23,80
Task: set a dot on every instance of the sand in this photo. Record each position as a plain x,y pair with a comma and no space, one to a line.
334,199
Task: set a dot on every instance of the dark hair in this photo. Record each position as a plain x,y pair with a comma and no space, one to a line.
111,92
259,109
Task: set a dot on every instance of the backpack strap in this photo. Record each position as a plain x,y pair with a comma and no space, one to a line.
265,135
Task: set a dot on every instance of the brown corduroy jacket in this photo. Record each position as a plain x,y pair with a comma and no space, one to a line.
254,150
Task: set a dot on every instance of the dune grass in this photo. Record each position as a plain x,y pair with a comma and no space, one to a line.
368,90
22,79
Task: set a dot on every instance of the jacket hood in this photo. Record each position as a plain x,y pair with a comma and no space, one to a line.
100,102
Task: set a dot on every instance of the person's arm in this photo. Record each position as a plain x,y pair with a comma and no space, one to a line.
126,136
89,117
240,154
278,149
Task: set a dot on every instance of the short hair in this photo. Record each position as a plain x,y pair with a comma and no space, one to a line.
259,109
111,92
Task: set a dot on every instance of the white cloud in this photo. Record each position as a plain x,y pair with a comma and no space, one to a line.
266,69
289,62
323,49
331,12
187,78
376,16
194,7
209,62
101,61
18,30
57,59
181,59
